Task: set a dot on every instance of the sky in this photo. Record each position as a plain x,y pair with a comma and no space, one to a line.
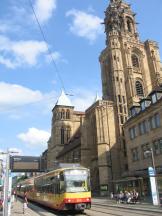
29,80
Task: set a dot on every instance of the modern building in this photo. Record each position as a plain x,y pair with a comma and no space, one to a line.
143,134
130,70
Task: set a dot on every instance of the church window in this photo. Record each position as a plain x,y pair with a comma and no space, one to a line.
121,120
119,98
121,80
68,133
139,89
117,79
120,108
125,110
135,61
115,57
67,114
123,99
62,135
62,114
129,24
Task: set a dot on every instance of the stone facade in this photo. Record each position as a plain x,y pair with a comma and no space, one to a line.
130,70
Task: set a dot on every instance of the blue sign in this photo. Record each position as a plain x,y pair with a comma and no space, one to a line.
151,171
153,183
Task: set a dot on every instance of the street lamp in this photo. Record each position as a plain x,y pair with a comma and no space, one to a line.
154,168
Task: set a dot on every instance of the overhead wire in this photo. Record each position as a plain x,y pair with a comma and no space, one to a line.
49,51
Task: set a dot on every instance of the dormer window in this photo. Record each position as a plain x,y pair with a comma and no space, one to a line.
143,105
154,98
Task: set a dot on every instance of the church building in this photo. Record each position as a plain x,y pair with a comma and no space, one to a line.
130,70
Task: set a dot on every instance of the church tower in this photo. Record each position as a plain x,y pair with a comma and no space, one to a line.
130,69
62,127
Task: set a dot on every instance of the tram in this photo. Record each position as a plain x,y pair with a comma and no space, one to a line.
61,189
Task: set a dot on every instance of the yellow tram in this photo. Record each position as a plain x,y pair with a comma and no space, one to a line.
62,189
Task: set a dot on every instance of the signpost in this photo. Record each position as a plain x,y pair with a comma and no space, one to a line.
153,183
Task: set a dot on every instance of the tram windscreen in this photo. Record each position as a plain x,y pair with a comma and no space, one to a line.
77,181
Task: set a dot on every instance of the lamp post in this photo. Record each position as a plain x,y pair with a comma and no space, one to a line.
154,168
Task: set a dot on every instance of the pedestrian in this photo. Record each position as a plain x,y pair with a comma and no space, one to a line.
25,204
111,195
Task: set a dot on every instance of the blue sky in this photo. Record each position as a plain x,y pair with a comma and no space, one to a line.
29,85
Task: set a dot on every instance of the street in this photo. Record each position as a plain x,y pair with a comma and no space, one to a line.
100,207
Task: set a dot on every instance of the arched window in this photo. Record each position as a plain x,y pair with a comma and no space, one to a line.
135,61
129,25
62,135
68,133
139,89
62,114
68,114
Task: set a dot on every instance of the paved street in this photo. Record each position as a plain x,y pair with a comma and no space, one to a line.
100,207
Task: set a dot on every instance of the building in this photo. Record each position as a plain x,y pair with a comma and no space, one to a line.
43,163
143,132
130,70
65,123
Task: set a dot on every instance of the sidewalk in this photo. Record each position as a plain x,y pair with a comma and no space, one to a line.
17,209
142,206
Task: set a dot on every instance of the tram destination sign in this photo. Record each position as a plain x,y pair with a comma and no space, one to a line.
25,164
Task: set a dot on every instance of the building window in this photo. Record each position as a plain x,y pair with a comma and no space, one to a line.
125,110
121,119
67,114
123,99
145,147
154,121
62,135
119,98
129,25
154,98
143,127
62,114
157,146
135,154
139,89
120,108
133,132
135,61
68,133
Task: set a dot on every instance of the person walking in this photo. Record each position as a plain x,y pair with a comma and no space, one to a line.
25,204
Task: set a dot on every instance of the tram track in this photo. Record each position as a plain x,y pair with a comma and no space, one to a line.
100,209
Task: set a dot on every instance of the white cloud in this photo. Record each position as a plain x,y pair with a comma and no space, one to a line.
83,99
12,95
44,9
85,25
18,53
34,137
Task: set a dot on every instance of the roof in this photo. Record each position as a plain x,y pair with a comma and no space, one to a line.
63,100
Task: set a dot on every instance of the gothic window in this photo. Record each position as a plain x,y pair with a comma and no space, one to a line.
62,114
68,133
135,61
139,89
62,135
68,114
129,24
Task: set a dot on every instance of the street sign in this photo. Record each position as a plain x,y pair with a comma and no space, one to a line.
25,164
154,192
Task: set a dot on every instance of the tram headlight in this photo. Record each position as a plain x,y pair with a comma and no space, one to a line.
69,200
